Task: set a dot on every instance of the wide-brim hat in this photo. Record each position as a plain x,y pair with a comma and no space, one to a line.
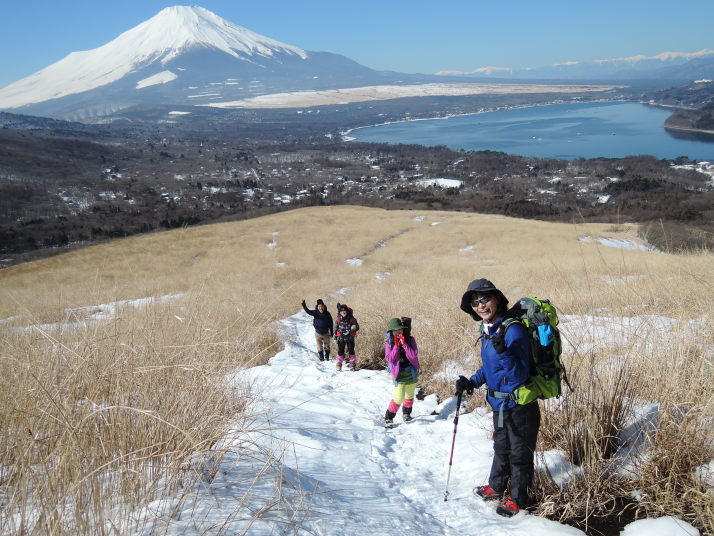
395,323
480,286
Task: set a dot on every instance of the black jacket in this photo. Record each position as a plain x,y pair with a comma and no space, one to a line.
322,322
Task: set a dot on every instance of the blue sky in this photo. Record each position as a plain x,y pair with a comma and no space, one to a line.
401,35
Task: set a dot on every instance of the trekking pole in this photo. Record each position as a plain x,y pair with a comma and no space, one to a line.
453,442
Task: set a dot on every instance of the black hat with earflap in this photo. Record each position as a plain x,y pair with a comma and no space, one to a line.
480,286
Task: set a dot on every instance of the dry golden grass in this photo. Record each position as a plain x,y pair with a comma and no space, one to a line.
135,396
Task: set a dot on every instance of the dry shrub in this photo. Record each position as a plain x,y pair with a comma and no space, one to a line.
589,423
625,469
677,237
96,416
99,416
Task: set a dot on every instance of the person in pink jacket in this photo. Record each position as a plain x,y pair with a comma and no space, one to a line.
402,355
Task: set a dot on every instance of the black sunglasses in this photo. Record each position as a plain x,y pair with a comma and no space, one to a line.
475,302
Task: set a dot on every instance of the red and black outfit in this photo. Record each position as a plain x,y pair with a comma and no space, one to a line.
346,328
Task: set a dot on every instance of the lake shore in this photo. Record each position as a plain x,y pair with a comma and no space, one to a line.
345,134
598,128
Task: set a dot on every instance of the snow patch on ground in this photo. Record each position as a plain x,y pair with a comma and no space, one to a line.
78,317
643,333
705,473
298,99
164,77
440,182
663,526
632,243
620,279
274,242
705,168
357,261
558,466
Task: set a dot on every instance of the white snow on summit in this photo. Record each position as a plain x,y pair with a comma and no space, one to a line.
631,60
664,56
158,40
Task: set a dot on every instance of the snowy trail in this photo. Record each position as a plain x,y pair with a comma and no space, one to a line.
332,468
367,480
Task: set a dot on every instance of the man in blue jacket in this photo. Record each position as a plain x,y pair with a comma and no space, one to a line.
322,322
505,356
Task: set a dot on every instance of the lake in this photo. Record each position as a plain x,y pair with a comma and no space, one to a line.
588,130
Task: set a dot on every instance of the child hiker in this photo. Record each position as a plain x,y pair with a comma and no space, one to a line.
505,367
402,355
346,328
322,322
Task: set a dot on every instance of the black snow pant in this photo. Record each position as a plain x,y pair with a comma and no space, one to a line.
514,451
349,343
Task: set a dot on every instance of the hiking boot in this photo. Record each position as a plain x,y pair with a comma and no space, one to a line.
389,418
321,355
338,366
507,507
487,493
327,355
407,414
350,366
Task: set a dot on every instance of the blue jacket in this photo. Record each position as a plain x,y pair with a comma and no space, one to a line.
506,371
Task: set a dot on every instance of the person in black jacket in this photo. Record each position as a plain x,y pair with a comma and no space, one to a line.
322,322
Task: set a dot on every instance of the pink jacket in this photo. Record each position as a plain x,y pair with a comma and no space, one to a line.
391,353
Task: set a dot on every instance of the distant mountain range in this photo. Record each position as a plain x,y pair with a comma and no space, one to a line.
183,56
684,66
189,56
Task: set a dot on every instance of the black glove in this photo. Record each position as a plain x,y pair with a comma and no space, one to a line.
303,303
464,384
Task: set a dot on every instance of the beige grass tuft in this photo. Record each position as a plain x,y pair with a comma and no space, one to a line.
96,412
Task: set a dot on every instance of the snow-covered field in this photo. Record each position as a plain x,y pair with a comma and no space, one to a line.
372,93
329,467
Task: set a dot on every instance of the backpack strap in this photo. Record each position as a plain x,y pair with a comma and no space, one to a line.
500,334
506,396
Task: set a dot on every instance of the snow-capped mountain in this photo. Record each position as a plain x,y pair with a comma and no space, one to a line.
183,55
665,66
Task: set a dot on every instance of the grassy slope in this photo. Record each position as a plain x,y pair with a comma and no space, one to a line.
234,279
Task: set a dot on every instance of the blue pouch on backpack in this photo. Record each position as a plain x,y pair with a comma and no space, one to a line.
545,334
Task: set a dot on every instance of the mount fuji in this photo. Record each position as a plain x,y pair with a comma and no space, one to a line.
181,56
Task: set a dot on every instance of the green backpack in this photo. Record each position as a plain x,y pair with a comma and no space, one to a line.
540,319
